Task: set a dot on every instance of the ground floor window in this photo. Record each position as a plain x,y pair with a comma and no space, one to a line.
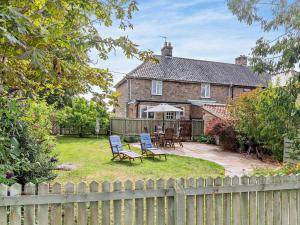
144,114
175,115
180,114
170,115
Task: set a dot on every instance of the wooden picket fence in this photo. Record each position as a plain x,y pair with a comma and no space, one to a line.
236,201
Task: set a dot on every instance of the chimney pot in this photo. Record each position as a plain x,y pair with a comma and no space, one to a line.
241,60
167,49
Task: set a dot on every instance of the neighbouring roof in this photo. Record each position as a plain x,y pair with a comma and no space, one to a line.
192,70
218,111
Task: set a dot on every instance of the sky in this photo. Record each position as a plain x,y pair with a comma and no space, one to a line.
198,29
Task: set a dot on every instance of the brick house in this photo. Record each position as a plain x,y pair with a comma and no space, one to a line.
186,83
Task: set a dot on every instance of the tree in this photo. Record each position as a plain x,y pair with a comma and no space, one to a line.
45,44
82,116
282,53
244,113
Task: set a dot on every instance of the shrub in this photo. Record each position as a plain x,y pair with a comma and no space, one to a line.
25,141
222,129
82,116
268,115
131,139
286,169
207,139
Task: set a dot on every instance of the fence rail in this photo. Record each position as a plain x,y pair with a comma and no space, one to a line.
228,201
125,126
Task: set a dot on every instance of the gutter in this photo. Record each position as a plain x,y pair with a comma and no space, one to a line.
158,101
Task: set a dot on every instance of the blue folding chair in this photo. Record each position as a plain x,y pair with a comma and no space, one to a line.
147,147
118,151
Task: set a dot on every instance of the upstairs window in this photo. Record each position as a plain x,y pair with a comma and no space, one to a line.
157,87
205,90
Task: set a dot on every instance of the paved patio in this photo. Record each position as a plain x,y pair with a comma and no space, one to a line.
234,163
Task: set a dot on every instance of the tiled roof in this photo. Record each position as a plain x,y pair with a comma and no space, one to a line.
192,70
218,111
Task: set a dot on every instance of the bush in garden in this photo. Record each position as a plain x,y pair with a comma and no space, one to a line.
224,131
286,169
268,115
207,139
82,116
25,142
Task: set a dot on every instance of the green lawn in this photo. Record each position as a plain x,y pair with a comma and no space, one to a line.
93,156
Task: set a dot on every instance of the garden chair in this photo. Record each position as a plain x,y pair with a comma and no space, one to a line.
118,151
180,137
148,148
154,137
169,137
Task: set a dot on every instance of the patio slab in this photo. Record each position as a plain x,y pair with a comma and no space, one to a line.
234,163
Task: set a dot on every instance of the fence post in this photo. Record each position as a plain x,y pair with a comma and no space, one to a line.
192,130
179,204
110,127
124,127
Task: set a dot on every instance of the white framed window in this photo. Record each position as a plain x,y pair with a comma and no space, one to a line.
144,114
205,90
169,115
157,86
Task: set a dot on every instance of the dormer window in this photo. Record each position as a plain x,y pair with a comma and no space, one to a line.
157,87
205,90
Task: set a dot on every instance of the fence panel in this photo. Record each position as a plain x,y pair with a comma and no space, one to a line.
246,200
15,210
3,209
132,127
55,214
29,210
82,211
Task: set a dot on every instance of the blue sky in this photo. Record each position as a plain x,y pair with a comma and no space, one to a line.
200,29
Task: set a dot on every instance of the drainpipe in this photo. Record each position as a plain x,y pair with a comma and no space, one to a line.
128,95
231,90
129,89
137,110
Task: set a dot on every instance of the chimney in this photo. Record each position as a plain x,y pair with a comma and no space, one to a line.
241,60
167,50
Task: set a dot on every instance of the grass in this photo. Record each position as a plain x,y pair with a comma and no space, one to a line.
93,156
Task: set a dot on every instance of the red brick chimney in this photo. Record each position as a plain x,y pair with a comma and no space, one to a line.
241,60
167,49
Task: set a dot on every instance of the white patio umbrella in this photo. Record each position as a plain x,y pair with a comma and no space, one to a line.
164,108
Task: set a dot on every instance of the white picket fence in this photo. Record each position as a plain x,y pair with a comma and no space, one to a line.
236,201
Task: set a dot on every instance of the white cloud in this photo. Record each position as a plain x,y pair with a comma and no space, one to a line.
202,29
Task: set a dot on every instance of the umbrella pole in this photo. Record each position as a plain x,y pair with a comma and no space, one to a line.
164,122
